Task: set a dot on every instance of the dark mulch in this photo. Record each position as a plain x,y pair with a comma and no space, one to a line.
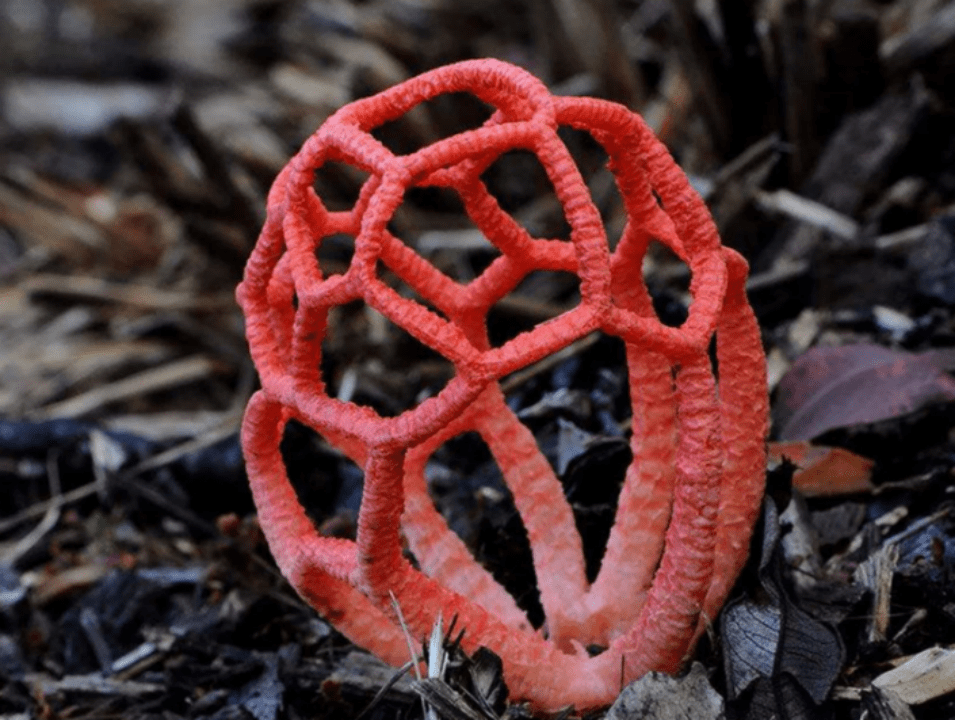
138,141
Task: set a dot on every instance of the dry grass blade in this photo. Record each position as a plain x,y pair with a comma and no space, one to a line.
141,297
164,377
51,516
808,211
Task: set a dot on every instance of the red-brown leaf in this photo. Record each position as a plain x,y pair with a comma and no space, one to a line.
824,471
829,388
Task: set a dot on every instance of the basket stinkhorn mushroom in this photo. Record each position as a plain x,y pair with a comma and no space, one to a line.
689,498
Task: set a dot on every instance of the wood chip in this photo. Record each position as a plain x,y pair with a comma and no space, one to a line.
883,704
876,574
923,677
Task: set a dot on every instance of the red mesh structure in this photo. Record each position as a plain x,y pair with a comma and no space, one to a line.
691,494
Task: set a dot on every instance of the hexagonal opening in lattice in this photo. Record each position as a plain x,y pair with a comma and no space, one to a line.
668,279
577,404
592,161
467,489
439,117
353,368
338,185
541,296
405,290
328,484
434,251
519,183
334,253
431,219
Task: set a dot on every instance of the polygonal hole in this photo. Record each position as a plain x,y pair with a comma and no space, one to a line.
338,185
439,117
334,253
432,222
405,290
596,366
541,296
520,184
328,484
369,360
591,160
431,199
577,405
468,490
427,209
668,279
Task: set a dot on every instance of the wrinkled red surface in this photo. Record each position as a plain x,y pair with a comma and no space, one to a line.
691,495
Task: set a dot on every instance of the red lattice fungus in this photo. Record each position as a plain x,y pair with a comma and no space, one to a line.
690,496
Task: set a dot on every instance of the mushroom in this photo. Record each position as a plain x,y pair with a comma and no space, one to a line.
690,496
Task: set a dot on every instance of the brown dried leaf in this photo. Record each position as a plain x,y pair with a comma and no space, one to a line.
824,471
829,388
